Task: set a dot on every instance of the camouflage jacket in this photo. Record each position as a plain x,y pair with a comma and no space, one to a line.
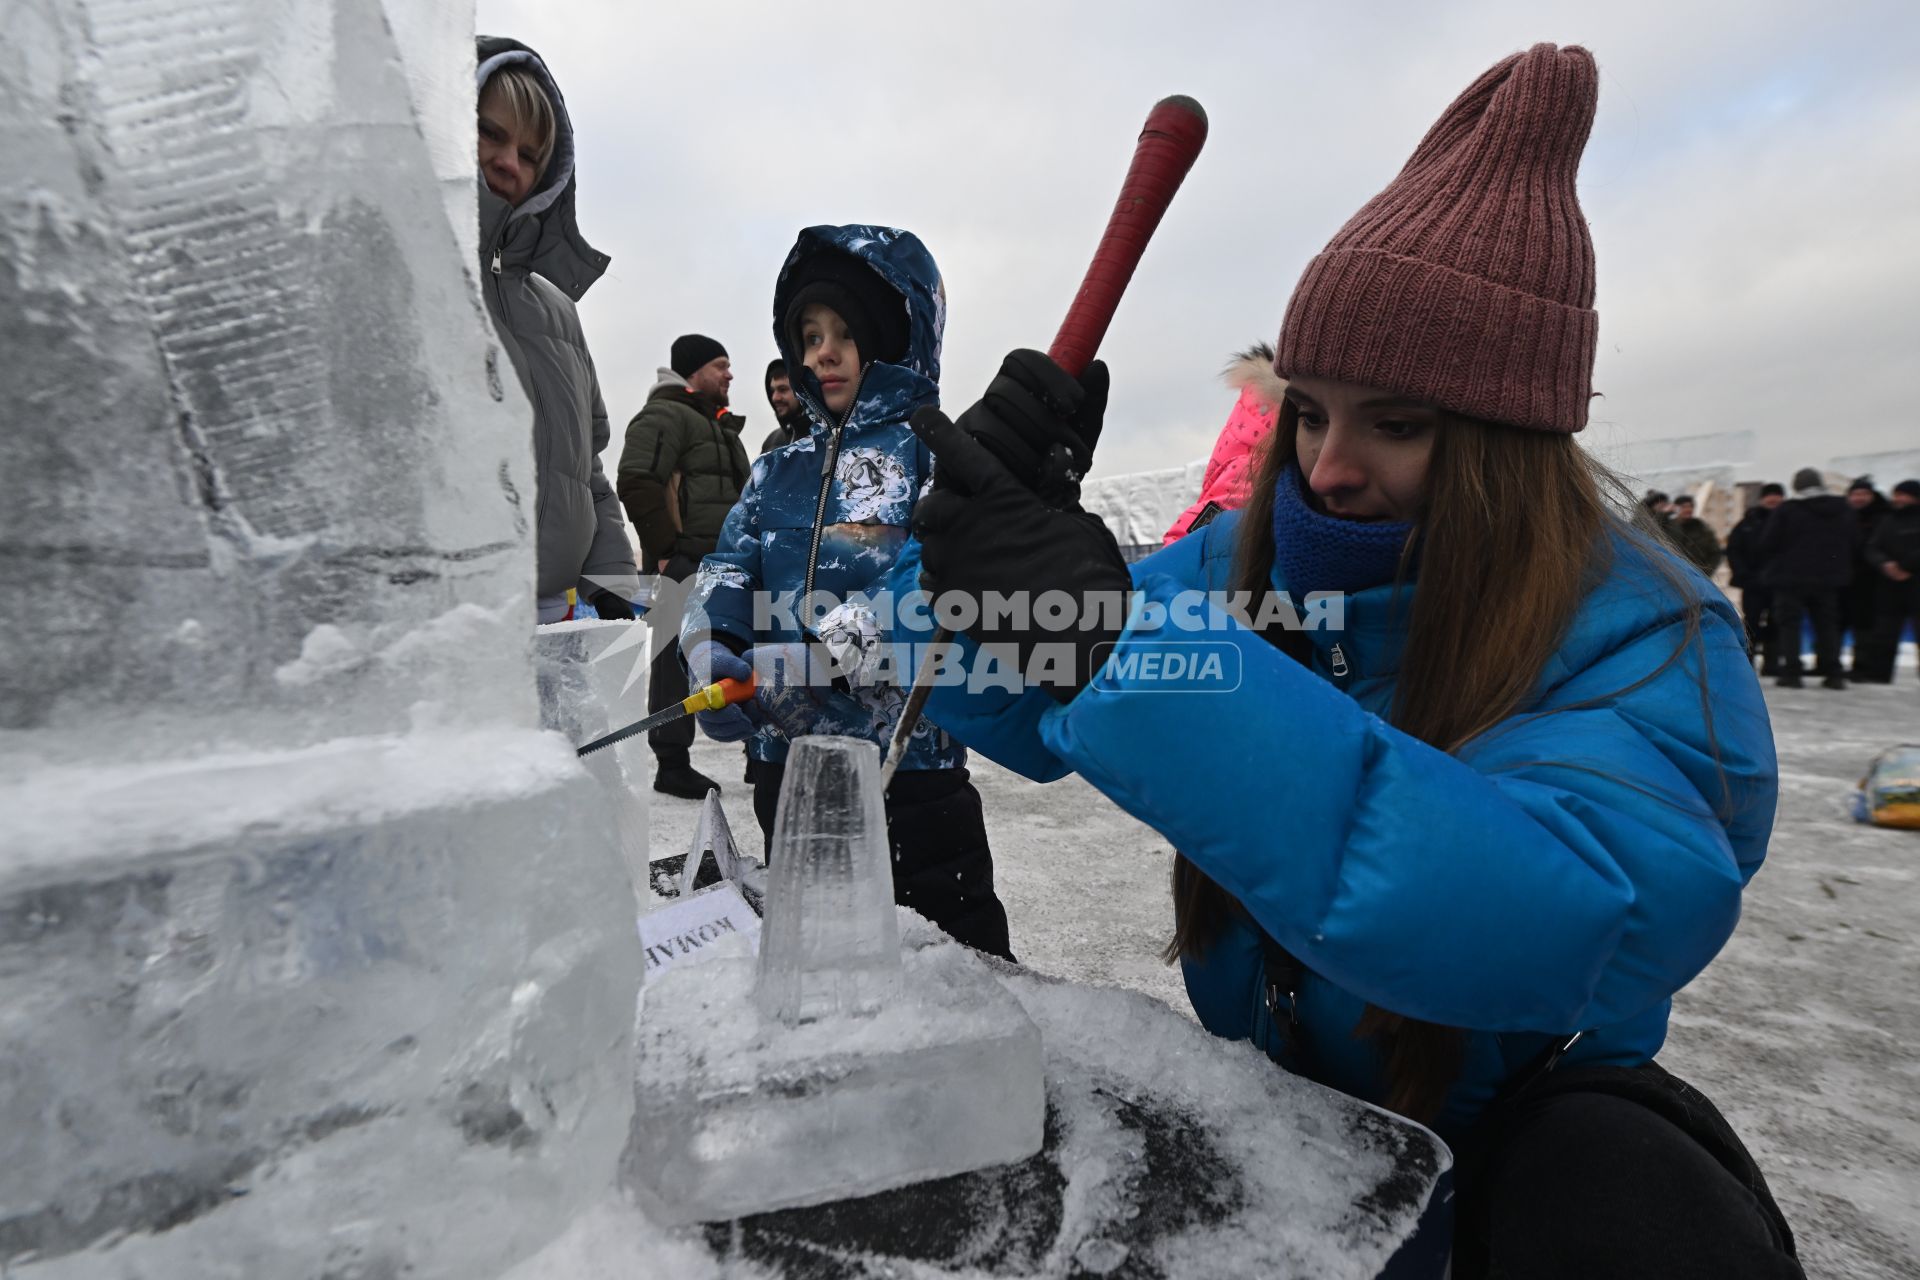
830,511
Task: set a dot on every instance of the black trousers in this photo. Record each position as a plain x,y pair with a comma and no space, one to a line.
937,833
1614,1172
1763,637
1793,605
667,684
1897,604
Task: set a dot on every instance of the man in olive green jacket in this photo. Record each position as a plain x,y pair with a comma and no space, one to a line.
681,471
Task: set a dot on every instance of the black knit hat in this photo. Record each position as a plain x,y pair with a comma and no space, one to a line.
1806,478
1909,487
693,351
1773,489
1861,482
875,313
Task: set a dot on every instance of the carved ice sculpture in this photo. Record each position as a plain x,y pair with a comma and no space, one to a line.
846,1068
316,955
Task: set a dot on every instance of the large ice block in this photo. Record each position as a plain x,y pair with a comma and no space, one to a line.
831,943
831,1066
737,1112
316,953
255,410
261,1014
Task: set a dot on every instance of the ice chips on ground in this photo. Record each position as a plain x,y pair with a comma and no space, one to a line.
737,1112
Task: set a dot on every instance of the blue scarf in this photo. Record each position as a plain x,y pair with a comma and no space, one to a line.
1319,552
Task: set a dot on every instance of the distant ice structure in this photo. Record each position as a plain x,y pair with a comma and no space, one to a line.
1140,505
1888,467
316,955
1707,467
828,1068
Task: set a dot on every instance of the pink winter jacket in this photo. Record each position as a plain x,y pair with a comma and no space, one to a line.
1230,470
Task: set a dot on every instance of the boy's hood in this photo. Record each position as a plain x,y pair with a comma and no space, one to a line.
559,252
903,262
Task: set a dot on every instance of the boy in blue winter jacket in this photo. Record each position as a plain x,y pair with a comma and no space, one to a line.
858,312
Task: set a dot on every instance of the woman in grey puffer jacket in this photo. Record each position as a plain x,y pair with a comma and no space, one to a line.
534,266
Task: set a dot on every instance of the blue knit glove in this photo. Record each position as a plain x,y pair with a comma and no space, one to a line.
707,662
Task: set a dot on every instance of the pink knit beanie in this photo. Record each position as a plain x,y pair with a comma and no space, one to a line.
1469,280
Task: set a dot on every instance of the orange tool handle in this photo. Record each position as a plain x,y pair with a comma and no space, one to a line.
723,693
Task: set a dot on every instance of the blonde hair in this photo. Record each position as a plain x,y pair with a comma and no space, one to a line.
527,106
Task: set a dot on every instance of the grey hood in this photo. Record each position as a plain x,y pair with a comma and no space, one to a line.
542,233
665,377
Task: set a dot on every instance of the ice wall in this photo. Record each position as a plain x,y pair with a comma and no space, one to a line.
258,426
435,39
316,955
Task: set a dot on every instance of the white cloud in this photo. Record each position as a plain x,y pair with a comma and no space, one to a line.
1749,182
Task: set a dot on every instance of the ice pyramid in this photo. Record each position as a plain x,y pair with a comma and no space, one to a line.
712,844
832,1065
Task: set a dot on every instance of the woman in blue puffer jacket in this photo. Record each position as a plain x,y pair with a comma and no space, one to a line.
1453,845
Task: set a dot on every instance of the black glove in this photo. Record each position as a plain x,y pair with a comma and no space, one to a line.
610,606
1041,423
986,531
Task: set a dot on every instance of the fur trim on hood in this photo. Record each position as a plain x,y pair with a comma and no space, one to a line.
1254,368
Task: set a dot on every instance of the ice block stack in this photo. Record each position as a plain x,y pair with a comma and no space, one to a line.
833,1066
316,953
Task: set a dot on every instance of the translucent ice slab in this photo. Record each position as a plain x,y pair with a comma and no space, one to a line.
737,1112
831,1068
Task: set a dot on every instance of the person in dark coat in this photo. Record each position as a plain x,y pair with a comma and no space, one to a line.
1745,564
1857,601
1893,558
790,420
1808,545
1694,536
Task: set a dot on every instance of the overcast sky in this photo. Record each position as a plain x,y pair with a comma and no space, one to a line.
1751,183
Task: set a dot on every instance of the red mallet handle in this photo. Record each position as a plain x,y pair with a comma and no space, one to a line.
1176,129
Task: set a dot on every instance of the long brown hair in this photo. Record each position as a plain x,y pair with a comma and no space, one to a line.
1512,536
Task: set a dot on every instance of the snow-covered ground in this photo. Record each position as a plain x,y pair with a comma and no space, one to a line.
1803,1030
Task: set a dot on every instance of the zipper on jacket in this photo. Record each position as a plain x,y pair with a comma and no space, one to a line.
1337,663
827,461
837,429
496,260
1274,994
